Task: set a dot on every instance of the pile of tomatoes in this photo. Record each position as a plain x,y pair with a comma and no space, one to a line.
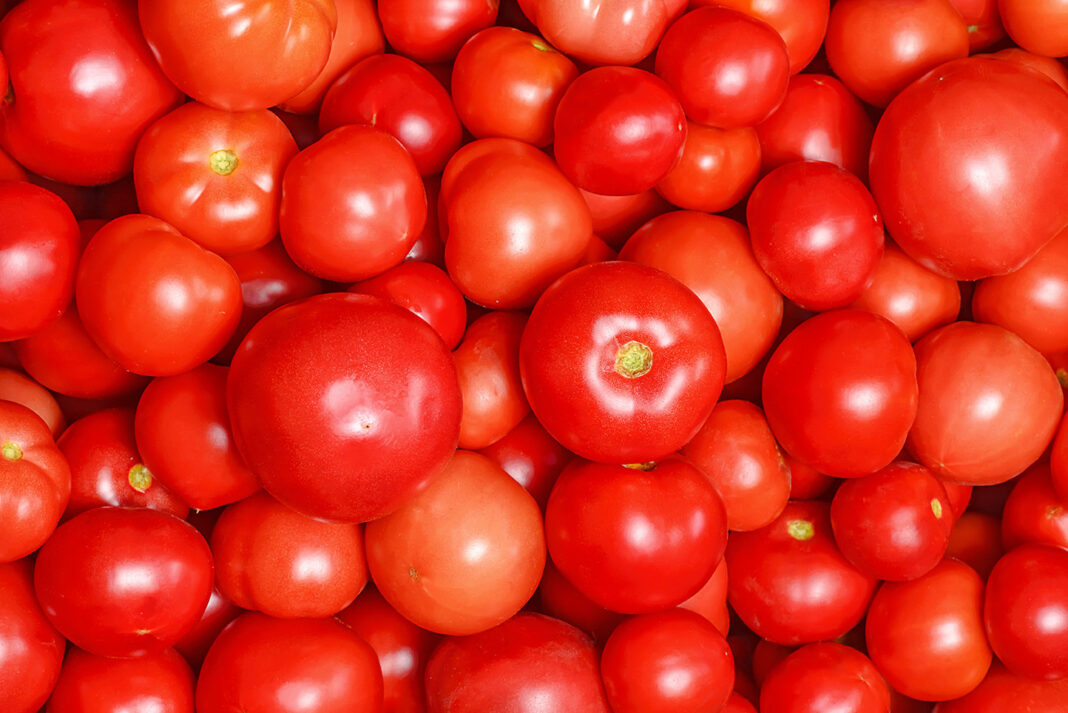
449,356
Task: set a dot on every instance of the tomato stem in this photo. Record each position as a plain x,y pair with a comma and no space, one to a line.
634,359
936,507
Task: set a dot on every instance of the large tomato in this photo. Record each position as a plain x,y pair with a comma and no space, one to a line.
160,682
31,649
430,31
531,456
802,23
1034,512
1003,691
1040,26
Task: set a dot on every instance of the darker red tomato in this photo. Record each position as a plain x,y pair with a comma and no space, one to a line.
430,31
1034,512
801,23
717,169
531,456
825,678
559,598
976,541
807,483
159,682
16,386
1038,26
615,218
219,612
31,649
1002,690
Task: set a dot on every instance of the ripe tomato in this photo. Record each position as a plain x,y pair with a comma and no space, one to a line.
984,24
531,456
819,678
717,168
976,541
801,23
219,612
16,386
31,650
559,598
1047,65
615,218
160,682
487,364
430,31
1034,512
216,52
1038,26
1002,690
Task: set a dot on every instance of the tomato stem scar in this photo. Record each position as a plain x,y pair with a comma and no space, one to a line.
801,529
10,450
634,359
140,478
223,162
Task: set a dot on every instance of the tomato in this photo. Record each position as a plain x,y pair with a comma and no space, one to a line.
528,664
82,97
1004,691
615,218
984,24
738,704
507,83
39,245
1036,25
286,665
806,483
619,130
124,581
711,255
1034,512
215,175
183,432
465,554
216,52
976,541
711,600
430,31
717,168
989,404
219,612
825,677
1047,65
364,185
396,95
664,525
35,480
31,650
621,363
1000,161
816,231
790,584
667,662
155,301
159,682
801,23
840,392
559,598
16,386
926,636
531,456
425,291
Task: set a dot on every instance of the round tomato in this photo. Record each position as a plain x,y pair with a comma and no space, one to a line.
1046,65
31,650
429,31
615,218
559,598
976,541
801,23
1039,26
160,682
531,456
717,168
1034,512
984,24
825,677
1002,690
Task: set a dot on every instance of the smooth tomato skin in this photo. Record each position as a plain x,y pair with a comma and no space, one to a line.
729,70
215,175
528,664
431,32
106,469
219,612
619,130
465,554
801,23
738,453
559,598
1047,65
878,47
261,551
1034,512
82,579
39,246
976,541
82,98
31,650
277,665
35,481
983,21
825,677
347,385
816,231
711,255
673,661
183,432
711,600
717,168
967,113
615,218
1037,26
16,386
226,72
396,95
1005,400
362,183
160,682
402,648
789,582
926,636
603,354
531,456
506,82
840,392
914,298
152,299
893,524
1003,690
666,528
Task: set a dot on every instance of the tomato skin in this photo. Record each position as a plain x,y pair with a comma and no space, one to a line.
361,380
431,32
983,21
90,554
227,72
788,581
219,612
807,483
840,392
1047,65
801,23
276,665
38,256
1002,690
426,291
615,218
1034,512
531,456
825,677
923,153
976,541
215,175
717,168
16,386
159,682
559,598
1037,26
31,650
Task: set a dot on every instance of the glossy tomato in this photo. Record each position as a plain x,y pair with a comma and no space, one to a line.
716,170
1036,25
559,598
429,31
825,677
1034,512
160,682
31,650
1002,690
531,456
976,541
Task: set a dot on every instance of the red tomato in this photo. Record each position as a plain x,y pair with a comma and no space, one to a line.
465,554
506,82
31,649
124,581
619,131
346,385
1039,26
820,678
155,301
717,168
664,525
840,392
667,662
529,664
161,682
711,600
286,665
926,636
807,483
801,23
1004,691
737,704
215,175
39,245
427,292
621,363
816,231
361,183
219,612
790,584
976,541
1047,65
216,52
984,24
85,87
531,456
430,31
989,404
1001,162
16,386
615,218
559,598
1034,512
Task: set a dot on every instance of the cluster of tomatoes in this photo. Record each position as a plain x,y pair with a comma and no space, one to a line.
619,356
